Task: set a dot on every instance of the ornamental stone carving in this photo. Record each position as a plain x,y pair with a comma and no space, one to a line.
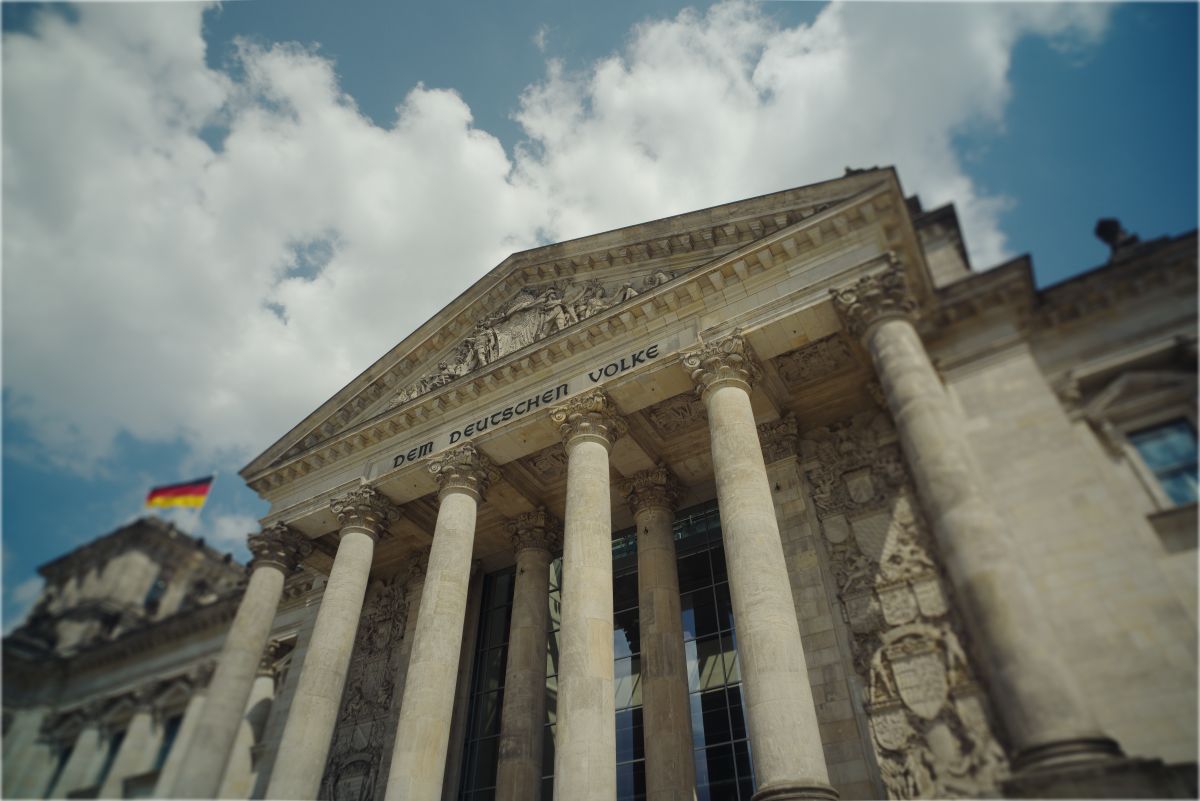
200,673
464,469
778,438
549,463
535,530
650,488
365,508
279,545
724,361
412,575
874,298
680,413
815,361
856,463
589,416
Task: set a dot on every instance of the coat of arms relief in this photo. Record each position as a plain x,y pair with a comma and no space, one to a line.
930,721
534,314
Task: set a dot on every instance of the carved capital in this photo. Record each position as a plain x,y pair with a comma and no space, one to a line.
655,487
278,545
464,469
723,362
274,651
535,530
779,438
875,298
365,508
589,416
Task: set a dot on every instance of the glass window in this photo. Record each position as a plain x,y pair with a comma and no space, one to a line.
170,730
1169,450
487,689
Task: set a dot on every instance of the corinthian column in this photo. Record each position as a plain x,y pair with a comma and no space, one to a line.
1044,714
666,713
519,773
586,739
364,514
277,552
780,716
423,733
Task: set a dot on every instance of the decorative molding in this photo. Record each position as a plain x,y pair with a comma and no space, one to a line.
464,469
592,415
726,361
279,545
655,487
680,413
815,362
875,298
535,530
779,438
365,508
412,575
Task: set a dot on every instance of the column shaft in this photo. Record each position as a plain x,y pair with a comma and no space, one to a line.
135,756
165,786
200,770
239,772
666,712
304,746
519,773
586,738
1044,713
83,764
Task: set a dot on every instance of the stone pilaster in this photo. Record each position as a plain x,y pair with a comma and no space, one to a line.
586,739
1046,718
417,768
277,551
666,712
780,715
364,514
535,538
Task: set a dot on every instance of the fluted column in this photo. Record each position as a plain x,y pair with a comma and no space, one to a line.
666,712
781,718
1045,716
136,753
519,773
277,552
364,514
586,737
198,678
423,733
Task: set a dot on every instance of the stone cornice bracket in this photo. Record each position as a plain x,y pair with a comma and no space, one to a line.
655,487
723,362
535,530
592,416
464,469
365,509
779,438
279,545
874,298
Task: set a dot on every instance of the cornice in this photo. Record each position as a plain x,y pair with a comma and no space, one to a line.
641,314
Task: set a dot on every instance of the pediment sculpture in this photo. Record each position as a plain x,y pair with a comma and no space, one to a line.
534,314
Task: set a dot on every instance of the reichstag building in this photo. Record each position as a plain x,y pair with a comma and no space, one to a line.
775,500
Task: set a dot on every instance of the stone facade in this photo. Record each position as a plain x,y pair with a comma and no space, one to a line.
951,564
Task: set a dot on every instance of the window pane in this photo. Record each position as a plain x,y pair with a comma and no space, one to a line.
699,614
1169,451
707,663
694,572
721,774
625,591
626,639
714,718
737,719
745,770
724,606
629,735
485,765
627,682
496,627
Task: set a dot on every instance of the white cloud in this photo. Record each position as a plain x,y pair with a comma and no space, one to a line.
161,288
20,601
228,532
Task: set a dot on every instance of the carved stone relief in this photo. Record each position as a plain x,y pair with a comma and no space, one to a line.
549,464
367,719
676,414
534,314
816,361
928,714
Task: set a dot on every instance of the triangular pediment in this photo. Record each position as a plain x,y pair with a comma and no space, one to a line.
534,294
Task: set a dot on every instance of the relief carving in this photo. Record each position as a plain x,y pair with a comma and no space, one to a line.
816,361
928,715
676,414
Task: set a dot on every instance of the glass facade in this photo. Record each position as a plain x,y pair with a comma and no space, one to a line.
720,747
1169,450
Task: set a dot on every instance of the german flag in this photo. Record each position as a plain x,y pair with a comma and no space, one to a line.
189,493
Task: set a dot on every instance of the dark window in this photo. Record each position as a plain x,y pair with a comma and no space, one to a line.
487,689
114,745
170,731
1169,450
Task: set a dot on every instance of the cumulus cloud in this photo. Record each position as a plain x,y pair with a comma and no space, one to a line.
159,286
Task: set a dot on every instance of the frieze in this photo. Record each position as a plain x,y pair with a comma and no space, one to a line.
677,414
550,464
779,438
816,361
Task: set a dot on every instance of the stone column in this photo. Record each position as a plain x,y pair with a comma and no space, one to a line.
136,754
239,772
199,677
519,773
24,752
277,552
781,718
423,733
364,514
1045,716
666,711
87,755
586,736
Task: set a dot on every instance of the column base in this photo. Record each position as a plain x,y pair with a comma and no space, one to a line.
796,792
1066,752
1105,778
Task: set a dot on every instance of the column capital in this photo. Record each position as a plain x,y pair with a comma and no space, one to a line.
274,651
464,469
365,508
535,530
655,487
592,416
723,362
279,545
875,298
779,438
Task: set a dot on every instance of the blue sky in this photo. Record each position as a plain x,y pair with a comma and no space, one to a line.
214,217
